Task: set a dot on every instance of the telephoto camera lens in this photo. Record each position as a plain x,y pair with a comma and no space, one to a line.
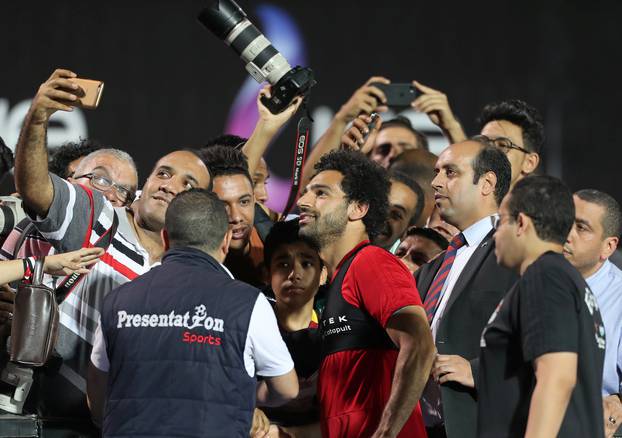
226,20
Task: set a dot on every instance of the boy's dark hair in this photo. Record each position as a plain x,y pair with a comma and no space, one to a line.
521,114
429,233
404,122
363,181
612,216
196,218
68,152
409,182
492,159
224,160
549,204
229,140
283,233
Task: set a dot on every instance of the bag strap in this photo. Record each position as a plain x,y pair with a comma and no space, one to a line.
22,238
69,283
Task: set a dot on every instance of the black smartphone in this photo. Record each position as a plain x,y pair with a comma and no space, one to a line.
398,95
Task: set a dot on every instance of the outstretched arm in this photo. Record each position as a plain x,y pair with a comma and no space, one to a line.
31,159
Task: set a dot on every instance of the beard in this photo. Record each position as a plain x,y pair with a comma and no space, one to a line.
327,227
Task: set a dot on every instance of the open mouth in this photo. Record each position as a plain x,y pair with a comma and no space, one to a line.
239,233
305,218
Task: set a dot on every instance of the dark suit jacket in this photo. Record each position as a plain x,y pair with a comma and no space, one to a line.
479,288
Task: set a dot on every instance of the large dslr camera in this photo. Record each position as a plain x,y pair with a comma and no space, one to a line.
228,22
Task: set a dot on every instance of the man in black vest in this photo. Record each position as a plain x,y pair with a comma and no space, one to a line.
461,287
179,348
376,344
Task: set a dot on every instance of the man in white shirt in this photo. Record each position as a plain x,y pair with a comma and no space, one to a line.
461,287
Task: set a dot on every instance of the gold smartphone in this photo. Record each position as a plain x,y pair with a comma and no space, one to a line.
89,94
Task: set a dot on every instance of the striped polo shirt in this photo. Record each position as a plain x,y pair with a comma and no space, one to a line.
66,227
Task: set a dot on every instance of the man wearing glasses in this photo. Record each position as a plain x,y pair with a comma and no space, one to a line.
516,128
70,216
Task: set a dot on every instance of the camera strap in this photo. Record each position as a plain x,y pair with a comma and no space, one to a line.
300,155
70,282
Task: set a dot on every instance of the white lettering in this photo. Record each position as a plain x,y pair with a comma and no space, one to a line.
172,319
122,316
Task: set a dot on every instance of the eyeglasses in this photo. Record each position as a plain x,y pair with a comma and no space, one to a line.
502,142
103,184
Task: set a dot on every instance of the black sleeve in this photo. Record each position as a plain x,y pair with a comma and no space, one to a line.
549,318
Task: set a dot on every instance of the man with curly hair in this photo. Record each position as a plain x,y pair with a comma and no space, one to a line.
376,344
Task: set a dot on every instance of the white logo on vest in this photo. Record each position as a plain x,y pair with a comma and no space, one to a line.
172,319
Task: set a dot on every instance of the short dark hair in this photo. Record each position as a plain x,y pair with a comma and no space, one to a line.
228,140
196,218
413,185
363,181
284,233
224,161
492,159
70,151
549,204
521,114
430,234
612,216
404,122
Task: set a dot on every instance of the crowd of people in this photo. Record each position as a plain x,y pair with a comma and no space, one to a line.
410,295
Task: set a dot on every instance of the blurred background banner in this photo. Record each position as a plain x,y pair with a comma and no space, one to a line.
170,83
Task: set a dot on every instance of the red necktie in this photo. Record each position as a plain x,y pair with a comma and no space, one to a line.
434,293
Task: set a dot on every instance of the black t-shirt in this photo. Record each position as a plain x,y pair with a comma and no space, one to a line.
550,309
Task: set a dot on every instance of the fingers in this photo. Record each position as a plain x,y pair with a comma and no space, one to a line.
377,93
449,377
63,73
424,89
377,79
90,253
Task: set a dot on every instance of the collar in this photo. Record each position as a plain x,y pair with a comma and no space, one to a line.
194,256
599,275
348,255
475,233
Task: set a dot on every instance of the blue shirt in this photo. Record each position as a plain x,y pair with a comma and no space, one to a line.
606,284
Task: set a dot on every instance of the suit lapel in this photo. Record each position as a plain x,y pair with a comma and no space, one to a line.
471,268
425,275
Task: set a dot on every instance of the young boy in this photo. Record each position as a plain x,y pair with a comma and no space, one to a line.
294,270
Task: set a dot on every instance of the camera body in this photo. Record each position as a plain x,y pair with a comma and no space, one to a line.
263,61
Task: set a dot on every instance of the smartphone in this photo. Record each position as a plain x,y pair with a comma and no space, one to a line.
89,94
398,95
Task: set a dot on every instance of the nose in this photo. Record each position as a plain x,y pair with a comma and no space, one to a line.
296,272
173,185
111,195
261,193
304,201
436,182
235,216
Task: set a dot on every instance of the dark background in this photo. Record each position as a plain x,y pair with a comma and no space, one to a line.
170,83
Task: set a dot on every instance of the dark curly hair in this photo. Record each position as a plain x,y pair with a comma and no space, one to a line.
363,181
225,160
284,233
229,140
521,114
68,152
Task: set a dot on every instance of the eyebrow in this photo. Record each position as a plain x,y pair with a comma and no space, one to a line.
171,170
399,207
583,222
102,169
319,186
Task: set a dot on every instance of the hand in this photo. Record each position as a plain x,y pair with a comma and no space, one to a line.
452,368
261,425
612,408
274,122
366,99
53,95
436,106
75,261
354,138
7,298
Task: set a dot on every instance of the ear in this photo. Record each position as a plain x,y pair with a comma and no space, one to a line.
488,183
165,241
523,224
357,211
609,246
530,163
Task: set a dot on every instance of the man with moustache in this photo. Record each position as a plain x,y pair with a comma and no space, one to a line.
591,242
461,287
376,344
70,217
